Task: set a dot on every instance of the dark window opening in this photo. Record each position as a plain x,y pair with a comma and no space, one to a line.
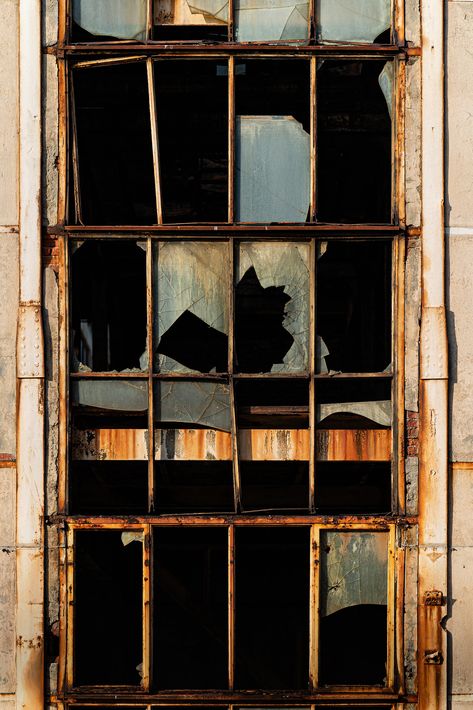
108,609
278,486
108,286
192,110
108,487
272,608
194,486
354,101
353,487
114,145
273,404
190,608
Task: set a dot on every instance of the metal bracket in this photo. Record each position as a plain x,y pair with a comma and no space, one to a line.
30,356
433,658
433,598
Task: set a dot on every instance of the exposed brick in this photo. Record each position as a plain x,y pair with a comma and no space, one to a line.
412,433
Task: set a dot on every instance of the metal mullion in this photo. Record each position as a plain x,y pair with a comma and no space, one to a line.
222,230
231,20
397,383
314,607
149,20
231,139
111,61
391,603
70,588
398,131
313,367
150,341
313,139
398,21
147,621
153,118
231,607
231,356
400,583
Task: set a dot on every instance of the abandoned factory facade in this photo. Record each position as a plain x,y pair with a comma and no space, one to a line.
236,357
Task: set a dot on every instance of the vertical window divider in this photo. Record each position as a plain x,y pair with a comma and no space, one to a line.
150,342
400,571
313,137
391,608
75,154
147,642
397,382
231,343
312,370
231,22
231,138
314,607
154,137
398,21
397,139
231,608
70,588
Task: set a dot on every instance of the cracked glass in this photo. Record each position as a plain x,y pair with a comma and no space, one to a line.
206,404
263,20
364,21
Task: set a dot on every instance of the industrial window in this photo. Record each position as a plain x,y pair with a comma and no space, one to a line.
233,489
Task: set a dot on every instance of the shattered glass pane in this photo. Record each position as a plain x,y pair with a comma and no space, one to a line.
272,158
263,20
386,82
114,395
353,608
191,12
123,19
272,307
203,403
353,20
379,412
191,306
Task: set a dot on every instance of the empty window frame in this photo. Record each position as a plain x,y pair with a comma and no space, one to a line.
236,607
251,141
242,21
246,397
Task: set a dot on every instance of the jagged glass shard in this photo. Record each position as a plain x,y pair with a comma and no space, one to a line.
272,169
203,403
123,19
265,20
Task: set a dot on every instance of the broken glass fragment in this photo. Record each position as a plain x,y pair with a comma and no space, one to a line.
272,307
123,19
204,403
191,12
264,20
379,412
386,82
272,181
353,607
191,326
121,395
353,20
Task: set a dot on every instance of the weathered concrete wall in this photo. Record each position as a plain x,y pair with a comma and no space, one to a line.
8,317
459,240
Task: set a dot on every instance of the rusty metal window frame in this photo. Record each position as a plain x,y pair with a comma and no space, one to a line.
232,696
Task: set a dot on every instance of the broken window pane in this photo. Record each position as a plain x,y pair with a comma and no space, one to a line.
264,20
205,404
115,156
190,608
194,486
353,306
108,608
272,149
118,19
351,487
110,398
108,304
274,485
108,487
191,20
192,110
272,608
353,608
191,306
353,142
272,307
272,404
354,20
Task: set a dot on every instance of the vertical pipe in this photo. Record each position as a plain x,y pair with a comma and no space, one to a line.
30,373
433,452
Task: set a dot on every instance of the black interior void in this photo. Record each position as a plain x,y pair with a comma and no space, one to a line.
272,404
272,608
108,303
260,337
108,487
194,486
353,487
188,33
353,305
274,485
107,609
190,608
273,87
195,344
353,143
192,110
353,646
114,145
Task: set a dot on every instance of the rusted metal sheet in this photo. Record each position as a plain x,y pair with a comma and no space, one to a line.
274,444
110,444
192,445
354,445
